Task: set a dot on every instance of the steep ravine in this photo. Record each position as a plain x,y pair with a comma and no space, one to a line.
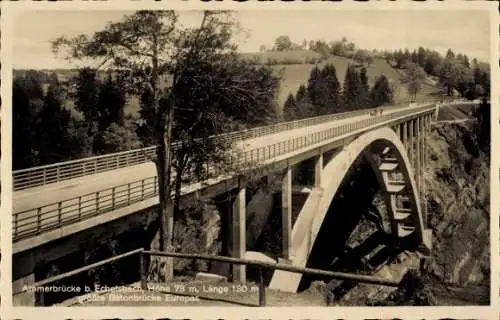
457,193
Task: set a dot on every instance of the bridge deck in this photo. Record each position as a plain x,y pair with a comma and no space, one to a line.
43,195
39,209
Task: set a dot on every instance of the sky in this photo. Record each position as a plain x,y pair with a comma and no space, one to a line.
462,31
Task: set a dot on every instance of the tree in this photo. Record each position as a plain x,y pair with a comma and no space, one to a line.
289,108
415,77
363,57
208,87
450,55
145,129
52,133
454,75
320,47
303,106
421,57
282,43
364,92
332,102
81,139
414,57
432,63
481,76
118,138
86,94
142,37
26,106
483,114
381,92
337,48
111,103
302,94
323,88
315,88
351,89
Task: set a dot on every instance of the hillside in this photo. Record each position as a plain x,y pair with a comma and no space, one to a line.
293,75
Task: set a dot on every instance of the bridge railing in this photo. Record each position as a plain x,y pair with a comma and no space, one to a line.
142,267
35,221
42,175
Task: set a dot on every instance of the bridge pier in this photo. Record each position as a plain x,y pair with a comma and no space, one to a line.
425,127
418,161
25,265
411,146
286,214
404,137
318,170
238,232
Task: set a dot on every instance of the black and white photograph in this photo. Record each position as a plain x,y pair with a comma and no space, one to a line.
250,158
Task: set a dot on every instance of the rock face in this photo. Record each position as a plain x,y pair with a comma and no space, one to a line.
457,180
457,195
197,232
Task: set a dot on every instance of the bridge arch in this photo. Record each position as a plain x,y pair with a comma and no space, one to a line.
387,156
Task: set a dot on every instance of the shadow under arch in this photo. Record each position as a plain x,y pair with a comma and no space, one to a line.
310,219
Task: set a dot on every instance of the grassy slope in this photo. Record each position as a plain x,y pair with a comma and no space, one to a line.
293,75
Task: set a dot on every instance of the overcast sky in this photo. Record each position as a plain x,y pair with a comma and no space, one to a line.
462,31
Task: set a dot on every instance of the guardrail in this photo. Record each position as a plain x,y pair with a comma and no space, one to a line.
42,175
39,286
35,221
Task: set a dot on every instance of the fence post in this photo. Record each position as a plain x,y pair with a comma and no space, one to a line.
15,226
79,207
154,184
128,193
41,299
142,189
142,261
262,289
57,173
38,218
113,198
97,201
59,212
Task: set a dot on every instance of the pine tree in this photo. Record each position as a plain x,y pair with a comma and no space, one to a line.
351,89
145,128
111,103
381,92
87,94
289,108
52,132
315,89
302,95
364,93
331,87
25,110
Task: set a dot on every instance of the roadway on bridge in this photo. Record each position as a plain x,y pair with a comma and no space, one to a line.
49,194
